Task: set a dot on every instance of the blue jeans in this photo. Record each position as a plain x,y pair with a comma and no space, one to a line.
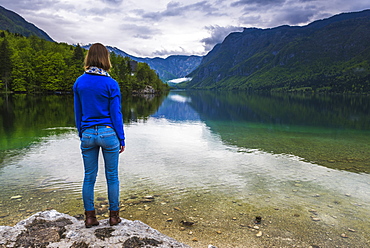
92,140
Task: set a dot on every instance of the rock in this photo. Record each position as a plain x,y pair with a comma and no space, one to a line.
259,234
258,220
16,197
57,230
187,223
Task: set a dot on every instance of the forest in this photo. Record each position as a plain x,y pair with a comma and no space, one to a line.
34,65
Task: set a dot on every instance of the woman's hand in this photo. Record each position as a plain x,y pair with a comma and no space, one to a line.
121,149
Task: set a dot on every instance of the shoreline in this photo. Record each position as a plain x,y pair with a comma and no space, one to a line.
224,221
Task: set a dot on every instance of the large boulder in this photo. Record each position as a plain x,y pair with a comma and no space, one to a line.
58,230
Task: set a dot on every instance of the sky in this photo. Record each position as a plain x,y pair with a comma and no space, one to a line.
160,28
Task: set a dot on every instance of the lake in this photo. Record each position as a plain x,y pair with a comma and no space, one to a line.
250,170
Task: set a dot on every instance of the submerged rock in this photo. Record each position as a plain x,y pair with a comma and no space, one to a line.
54,229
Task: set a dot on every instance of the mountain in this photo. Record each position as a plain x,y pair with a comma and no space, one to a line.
327,55
174,66
14,23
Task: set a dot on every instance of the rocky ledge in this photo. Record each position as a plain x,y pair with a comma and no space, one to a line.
54,229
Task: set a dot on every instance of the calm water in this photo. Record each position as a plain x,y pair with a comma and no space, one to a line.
221,158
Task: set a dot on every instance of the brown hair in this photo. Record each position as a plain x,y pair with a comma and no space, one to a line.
98,56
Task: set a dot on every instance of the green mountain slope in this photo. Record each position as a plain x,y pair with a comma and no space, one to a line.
326,55
14,23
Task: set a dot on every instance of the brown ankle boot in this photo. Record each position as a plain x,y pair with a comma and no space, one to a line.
90,219
114,218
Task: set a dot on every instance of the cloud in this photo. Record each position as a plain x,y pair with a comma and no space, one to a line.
177,9
166,27
103,11
164,52
218,34
257,2
114,2
139,31
295,16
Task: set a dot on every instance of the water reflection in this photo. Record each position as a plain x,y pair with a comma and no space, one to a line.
329,130
215,155
335,111
27,119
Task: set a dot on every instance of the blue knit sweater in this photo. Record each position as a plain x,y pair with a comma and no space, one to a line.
97,101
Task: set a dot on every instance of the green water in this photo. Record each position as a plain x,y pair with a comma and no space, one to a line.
216,158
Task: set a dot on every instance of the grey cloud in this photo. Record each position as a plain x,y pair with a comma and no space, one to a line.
295,17
99,11
141,32
143,36
218,34
26,5
176,9
114,2
165,52
257,2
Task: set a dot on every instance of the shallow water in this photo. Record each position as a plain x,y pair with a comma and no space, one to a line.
219,160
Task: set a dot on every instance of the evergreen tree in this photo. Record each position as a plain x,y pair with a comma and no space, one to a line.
6,64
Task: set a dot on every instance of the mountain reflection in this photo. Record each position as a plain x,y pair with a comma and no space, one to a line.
177,107
332,131
337,111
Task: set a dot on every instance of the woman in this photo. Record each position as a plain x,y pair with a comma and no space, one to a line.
97,103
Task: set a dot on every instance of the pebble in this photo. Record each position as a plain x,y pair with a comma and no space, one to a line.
16,197
177,208
169,219
256,227
218,232
351,230
194,240
343,235
259,234
315,218
146,208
